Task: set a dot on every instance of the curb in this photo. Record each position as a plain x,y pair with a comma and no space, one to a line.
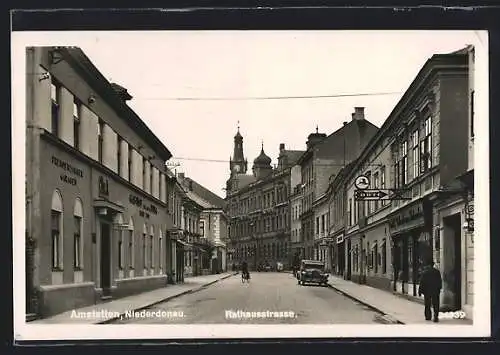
381,316
111,320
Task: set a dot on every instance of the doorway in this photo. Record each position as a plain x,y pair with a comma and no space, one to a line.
105,259
453,235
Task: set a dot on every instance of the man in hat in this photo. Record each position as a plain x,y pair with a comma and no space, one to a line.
430,286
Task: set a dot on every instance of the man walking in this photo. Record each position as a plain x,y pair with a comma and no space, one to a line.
430,287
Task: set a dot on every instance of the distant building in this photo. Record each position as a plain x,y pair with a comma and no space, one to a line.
258,208
207,244
325,156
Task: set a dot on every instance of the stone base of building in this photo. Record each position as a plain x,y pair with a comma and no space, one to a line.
380,282
132,286
54,299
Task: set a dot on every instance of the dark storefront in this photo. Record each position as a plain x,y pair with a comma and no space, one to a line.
411,244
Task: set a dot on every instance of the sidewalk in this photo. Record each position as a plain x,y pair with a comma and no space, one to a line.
396,309
105,312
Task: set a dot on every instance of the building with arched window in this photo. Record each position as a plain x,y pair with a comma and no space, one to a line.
99,197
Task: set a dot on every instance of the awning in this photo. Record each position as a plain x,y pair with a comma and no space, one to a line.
105,205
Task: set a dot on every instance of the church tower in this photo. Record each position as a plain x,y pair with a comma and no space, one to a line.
238,163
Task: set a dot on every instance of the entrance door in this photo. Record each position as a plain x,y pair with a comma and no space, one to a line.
453,224
105,259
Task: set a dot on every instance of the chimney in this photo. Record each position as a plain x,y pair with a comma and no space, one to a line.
359,113
121,91
282,146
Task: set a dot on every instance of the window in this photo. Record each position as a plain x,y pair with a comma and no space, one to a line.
130,150
376,186
56,231
323,224
119,154
120,250
375,257
151,168
404,163
202,228
55,94
426,147
77,236
317,225
415,153
384,257
144,174
100,135
151,249
76,123
160,251
472,113
350,212
382,182
144,250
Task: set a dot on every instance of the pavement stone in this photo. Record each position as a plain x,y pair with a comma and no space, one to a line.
106,312
395,309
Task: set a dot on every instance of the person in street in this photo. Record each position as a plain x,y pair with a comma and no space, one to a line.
244,269
430,286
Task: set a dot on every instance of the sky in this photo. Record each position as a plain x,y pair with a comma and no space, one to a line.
193,89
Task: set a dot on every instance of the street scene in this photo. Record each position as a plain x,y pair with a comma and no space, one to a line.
247,188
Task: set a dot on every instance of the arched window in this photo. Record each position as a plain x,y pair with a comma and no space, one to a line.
131,251
121,244
144,241
56,224
78,232
151,246
160,249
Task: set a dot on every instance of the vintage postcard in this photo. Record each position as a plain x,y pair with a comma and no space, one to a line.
250,184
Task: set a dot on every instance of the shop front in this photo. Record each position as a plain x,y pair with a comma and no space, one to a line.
411,245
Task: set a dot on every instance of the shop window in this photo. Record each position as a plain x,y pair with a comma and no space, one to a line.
55,94
57,231
77,107
77,243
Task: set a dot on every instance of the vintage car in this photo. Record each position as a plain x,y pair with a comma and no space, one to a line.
312,271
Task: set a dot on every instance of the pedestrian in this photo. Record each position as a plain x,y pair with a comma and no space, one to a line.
430,286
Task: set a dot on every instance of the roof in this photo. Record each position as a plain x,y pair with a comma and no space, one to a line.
292,155
244,180
201,195
77,58
262,159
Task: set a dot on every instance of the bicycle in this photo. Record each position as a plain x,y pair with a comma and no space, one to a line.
245,276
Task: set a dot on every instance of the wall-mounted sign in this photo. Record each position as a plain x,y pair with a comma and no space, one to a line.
69,168
103,186
146,209
407,216
362,182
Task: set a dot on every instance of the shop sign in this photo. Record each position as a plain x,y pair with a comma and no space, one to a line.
67,167
145,209
408,215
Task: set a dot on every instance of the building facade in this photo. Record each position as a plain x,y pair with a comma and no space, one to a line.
295,212
258,209
325,156
97,187
419,157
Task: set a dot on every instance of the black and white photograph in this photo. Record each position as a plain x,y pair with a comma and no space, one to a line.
250,184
